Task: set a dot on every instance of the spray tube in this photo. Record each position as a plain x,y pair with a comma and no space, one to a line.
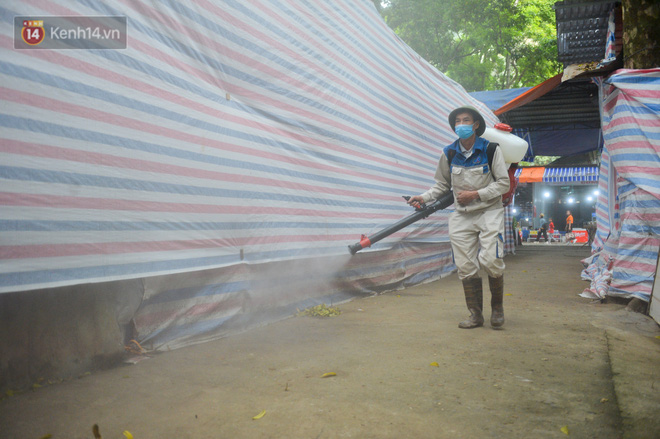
422,212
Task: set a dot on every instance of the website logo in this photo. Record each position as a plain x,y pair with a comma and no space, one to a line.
70,32
33,32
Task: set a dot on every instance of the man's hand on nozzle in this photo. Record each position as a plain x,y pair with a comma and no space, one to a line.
416,201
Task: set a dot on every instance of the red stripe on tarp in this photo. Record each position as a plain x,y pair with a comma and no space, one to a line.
141,125
107,248
67,202
74,155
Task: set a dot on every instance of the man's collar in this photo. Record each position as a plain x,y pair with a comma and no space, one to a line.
479,143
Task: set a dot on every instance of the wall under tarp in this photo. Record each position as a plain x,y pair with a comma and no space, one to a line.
628,210
228,141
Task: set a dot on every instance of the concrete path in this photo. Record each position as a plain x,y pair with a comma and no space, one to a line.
562,367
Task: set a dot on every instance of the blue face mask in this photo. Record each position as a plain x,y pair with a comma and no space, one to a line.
464,131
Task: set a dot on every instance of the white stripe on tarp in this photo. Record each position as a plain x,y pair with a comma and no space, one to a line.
571,174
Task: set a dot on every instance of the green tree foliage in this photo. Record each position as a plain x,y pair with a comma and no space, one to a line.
540,160
481,44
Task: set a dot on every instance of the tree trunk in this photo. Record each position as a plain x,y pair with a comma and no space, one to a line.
641,34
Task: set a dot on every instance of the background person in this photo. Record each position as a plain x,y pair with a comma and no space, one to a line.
569,222
542,230
476,226
551,229
569,228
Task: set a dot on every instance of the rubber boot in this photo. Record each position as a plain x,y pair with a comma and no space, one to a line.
496,285
474,297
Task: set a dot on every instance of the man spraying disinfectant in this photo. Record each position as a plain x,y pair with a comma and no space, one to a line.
478,176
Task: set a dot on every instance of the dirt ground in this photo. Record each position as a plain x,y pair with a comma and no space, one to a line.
563,366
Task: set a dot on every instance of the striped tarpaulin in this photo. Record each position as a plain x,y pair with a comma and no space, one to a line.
576,174
631,130
509,234
227,135
637,251
603,203
610,51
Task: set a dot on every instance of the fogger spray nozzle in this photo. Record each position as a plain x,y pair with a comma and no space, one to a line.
364,242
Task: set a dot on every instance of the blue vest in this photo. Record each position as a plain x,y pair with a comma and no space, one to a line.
479,155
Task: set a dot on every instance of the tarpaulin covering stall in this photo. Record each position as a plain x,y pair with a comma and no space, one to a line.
228,142
564,175
577,174
532,174
627,240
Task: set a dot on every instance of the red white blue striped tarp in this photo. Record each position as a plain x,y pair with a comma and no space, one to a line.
509,233
579,174
574,174
227,135
629,215
604,215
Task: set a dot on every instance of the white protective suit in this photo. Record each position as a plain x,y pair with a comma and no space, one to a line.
476,230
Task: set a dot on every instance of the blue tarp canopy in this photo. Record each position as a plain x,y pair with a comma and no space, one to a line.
497,98
562,140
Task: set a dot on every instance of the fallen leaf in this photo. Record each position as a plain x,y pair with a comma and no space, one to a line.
329,374
508,294
260,415
128,435
435,364
564,430
321,310
604,400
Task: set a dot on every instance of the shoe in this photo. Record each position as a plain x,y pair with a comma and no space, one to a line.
496,285
474,298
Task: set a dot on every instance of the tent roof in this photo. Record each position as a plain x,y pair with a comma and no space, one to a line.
556,118
554,103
